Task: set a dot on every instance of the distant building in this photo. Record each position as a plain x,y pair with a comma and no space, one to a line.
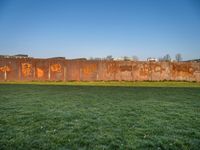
4,56
124,58
119,59
20,56
14,56
152,59
193,60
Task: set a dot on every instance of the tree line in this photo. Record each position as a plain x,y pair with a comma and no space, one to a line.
167,57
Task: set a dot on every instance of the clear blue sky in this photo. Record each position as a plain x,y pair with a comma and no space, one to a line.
97,28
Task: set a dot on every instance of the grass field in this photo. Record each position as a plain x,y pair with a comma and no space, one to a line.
139,115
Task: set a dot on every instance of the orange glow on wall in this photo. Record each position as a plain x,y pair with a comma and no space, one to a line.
4,69
89,69
56,68
26,69
40,73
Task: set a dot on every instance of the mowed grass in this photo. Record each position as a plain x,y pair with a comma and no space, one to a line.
72,116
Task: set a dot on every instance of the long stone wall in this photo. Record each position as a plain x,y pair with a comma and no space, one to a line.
85,70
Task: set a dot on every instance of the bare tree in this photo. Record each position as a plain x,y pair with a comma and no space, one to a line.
126,58
91,58
109,57
135,58
167,58
97,58
178,57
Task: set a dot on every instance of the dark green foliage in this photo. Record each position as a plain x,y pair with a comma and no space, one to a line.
99,117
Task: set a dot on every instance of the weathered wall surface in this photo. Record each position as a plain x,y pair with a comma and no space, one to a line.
84,70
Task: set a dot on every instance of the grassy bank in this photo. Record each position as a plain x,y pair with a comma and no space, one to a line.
112,83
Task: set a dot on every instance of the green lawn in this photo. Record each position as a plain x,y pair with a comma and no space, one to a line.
146,115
